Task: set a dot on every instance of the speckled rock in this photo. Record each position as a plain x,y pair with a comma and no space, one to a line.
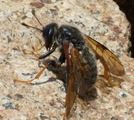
45,100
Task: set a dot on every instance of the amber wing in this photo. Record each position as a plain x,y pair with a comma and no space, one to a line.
110,62
78,73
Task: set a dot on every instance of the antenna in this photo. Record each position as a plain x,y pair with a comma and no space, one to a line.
32,27
33,12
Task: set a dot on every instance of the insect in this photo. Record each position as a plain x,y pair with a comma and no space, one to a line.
76,50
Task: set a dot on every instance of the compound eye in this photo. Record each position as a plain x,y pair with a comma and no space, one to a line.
49,33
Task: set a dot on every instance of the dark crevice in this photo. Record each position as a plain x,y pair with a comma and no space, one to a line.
127,6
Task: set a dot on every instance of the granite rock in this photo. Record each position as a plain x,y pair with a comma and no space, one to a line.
45,98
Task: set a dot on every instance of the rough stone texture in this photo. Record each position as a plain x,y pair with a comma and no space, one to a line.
101,19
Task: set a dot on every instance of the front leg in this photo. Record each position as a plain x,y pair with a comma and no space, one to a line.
33,51
51,62
37,76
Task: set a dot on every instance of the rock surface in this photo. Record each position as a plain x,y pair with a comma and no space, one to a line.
102,20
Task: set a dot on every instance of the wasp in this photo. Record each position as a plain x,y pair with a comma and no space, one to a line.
79,51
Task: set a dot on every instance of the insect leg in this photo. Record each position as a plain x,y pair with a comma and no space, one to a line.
112,81
36,77
53,63
33,51
106,75
49,52
46,54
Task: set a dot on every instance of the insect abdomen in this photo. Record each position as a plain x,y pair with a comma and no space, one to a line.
90,77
